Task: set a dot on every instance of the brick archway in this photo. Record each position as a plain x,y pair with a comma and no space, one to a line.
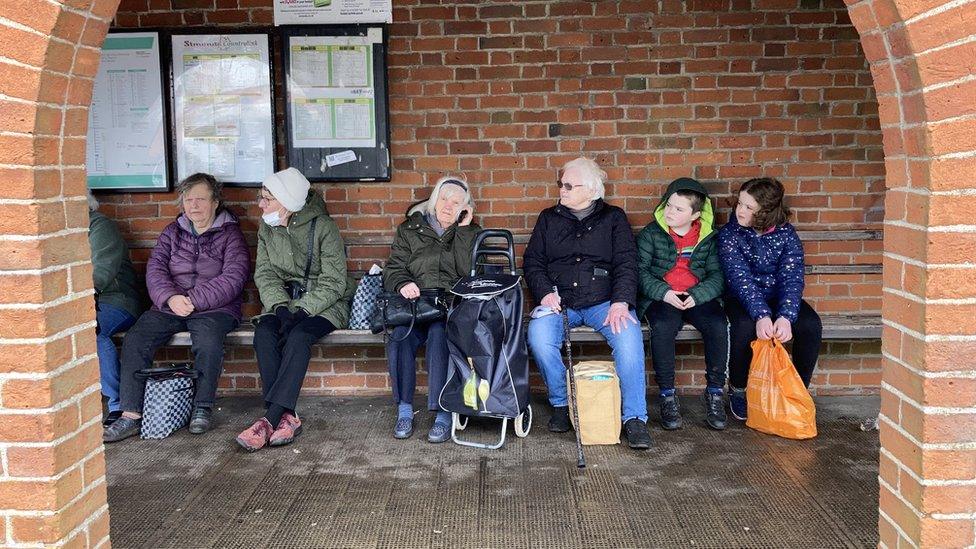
922,55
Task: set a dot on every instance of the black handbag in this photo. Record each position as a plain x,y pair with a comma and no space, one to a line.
392,310
294,289
168,399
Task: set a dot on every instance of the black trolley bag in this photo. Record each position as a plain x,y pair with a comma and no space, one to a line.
488,367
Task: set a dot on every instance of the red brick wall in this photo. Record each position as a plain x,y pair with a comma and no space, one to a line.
505,92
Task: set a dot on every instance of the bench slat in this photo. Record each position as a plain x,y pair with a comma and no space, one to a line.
834,327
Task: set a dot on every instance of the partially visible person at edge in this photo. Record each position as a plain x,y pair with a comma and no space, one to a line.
585,249
293,316
681,281
118,300
432,249
762,258
195,277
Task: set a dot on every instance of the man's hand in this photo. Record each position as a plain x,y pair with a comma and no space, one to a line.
618,316
764,328
782,330
180,304
410,290
553,301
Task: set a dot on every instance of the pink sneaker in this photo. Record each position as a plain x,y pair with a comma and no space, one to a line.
288,430
256,436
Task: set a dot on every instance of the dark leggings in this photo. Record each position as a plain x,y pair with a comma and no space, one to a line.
283,358
807,333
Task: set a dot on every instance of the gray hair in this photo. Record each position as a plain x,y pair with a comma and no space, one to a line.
454,184
593,176
201,179
92,202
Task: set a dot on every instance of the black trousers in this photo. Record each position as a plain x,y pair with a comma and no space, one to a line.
283,358
401,357
152,331
807,334
666,321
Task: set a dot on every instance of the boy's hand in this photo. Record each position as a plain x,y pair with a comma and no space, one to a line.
690,302
764,328
672,299
783,330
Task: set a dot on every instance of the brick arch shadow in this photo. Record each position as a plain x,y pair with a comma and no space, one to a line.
922,55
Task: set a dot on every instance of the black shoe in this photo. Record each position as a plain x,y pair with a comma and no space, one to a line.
111,418
200,421
670,412
637,436
122,428
559,422
714,410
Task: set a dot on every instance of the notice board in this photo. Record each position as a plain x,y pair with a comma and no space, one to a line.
336,107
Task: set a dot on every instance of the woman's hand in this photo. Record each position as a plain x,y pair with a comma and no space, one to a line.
764,328
410,290
180,304
618,316
553,301
466,220
782,330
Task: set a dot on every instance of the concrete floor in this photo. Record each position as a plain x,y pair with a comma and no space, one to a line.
347,483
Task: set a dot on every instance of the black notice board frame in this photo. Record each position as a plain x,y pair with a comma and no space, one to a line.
169,68
372,163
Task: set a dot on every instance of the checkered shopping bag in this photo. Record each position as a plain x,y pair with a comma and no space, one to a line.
364,302
168,399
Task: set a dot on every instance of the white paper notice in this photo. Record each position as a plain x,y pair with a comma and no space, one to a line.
331,91
316,12
340,158
222,101
126,125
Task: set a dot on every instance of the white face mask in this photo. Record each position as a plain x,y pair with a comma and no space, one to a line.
273,219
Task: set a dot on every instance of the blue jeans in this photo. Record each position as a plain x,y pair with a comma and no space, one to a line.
546,340
110,320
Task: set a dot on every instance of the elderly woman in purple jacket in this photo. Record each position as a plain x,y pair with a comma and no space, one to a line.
195,277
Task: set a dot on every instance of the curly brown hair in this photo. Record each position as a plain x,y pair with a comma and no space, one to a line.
769,193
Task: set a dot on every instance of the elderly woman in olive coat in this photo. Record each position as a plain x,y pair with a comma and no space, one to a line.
297,311
432,249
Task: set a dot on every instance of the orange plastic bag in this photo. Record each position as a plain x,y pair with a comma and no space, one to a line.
779,404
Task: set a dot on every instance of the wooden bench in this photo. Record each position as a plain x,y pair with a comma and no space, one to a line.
836,327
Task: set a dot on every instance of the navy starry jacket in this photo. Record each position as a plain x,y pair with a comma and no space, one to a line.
763,268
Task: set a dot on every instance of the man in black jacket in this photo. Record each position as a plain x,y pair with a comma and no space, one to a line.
582,258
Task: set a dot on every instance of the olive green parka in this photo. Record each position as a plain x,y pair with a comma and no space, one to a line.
657,253
418,255
281,258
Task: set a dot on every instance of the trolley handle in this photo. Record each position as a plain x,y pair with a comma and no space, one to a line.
507,252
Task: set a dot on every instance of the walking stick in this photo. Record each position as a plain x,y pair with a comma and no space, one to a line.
580,460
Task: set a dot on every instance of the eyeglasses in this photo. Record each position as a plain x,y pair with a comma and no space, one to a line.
265,198
567,186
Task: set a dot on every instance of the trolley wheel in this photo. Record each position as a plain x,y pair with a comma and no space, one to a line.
458,424
523,423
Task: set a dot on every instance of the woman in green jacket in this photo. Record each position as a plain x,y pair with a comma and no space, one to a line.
298,309
432,249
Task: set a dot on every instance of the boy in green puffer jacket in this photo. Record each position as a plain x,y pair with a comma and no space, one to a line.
680,280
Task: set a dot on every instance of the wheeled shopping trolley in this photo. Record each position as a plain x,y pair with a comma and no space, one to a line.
488,366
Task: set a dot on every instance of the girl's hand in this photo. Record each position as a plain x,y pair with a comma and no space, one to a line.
764,328
782,330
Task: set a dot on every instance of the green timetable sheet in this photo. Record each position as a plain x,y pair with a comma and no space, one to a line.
126,145
331,91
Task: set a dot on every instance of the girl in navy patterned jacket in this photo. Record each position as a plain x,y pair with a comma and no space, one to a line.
762,258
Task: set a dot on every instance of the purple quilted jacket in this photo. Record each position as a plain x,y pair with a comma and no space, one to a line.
211,269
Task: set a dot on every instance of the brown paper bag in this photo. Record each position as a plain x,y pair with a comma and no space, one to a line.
598,391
